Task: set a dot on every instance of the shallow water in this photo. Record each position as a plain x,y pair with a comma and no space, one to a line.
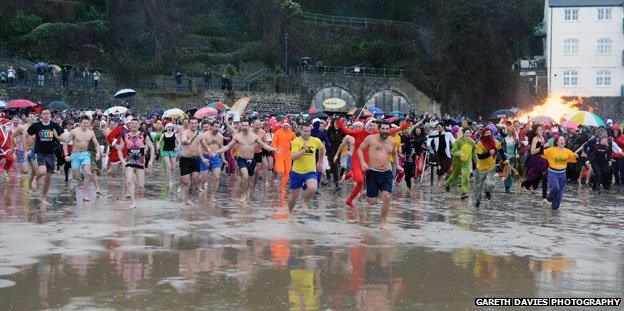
438,252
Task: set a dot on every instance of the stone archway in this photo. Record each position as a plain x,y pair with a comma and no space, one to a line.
389,100
333,92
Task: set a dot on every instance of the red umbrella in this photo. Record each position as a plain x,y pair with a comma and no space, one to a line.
312,111
206,112
20,103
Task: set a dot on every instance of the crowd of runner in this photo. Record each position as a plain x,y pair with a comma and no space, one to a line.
372,154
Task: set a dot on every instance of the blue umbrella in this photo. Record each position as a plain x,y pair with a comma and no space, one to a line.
397,113
58,105
375,111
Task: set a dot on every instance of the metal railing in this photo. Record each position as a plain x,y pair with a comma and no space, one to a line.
350,71
351,21
115,82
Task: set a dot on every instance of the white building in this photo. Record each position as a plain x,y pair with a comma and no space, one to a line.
584,47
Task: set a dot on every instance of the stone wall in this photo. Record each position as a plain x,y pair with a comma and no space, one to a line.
89,98
605,107
531,90
361,87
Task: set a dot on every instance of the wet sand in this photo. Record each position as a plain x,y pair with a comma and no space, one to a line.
438,252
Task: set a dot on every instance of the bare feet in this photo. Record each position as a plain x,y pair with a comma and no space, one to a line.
190,202
33,184
133,205
382,225
44,202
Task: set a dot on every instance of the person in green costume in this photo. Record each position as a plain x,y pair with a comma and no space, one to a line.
463,152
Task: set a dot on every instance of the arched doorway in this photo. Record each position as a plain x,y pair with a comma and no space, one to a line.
333,99
388,101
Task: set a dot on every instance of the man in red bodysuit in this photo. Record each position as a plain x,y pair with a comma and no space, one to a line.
359,135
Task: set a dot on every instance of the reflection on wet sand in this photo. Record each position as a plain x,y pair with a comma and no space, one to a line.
438,253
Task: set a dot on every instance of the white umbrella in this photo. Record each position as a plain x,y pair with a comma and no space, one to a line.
125,93
116,110
174,113
2,104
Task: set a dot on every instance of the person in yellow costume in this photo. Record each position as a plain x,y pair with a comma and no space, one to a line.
305,166
486,150
463,152
558,158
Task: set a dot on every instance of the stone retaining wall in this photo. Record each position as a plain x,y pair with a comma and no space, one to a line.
89,98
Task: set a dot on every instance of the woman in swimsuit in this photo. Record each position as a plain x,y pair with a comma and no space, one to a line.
168,151
134,164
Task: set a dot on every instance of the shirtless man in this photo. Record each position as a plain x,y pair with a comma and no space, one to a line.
25,145
379,169
189,161
246,163
211,141
80,157
261,168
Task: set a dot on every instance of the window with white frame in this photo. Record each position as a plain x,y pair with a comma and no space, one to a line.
603,78
570,78
571,14
571,46
604,46
604,14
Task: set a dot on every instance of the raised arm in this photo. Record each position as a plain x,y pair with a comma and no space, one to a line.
345,130
404,126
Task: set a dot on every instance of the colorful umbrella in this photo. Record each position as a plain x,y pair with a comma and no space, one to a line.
543,120
125,93
117,110
58,105
218,106
359,112
20,103
376,111
587,118
569,124
206,112
174,113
